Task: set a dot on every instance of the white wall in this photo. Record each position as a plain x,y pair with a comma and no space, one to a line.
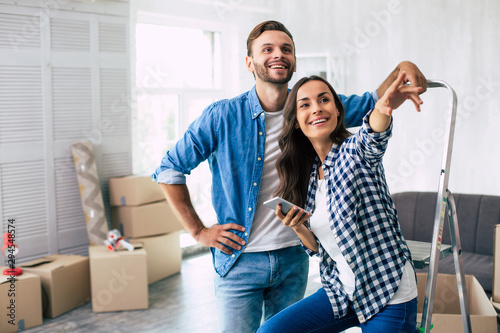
454,41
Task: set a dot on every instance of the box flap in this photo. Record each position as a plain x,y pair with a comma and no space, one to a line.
37,262
47,264
139,251
446,314
137,244
478,300
52,262
68,259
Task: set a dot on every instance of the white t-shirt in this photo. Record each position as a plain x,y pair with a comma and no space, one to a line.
320,226
268,232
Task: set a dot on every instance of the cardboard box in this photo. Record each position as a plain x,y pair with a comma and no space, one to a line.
65,282
496,268
20,302
133,190
118,279
164,255
446,315
145,220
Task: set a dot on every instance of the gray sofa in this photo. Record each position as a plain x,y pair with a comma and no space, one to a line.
477,217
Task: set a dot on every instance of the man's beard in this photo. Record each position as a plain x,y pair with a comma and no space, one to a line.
261,71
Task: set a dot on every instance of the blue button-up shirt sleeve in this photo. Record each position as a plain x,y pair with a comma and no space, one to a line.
356,107
196,145
170,176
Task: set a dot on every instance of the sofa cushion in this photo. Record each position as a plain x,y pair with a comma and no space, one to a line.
479,265
477,217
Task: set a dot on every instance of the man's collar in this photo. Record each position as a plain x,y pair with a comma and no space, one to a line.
255,106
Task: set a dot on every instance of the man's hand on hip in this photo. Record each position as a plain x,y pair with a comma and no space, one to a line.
221,237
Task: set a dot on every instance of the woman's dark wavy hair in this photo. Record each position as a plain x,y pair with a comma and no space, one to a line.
297,153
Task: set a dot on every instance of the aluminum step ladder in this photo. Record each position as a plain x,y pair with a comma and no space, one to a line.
444,204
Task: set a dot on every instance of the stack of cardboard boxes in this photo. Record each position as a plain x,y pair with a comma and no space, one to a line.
140,212
50,286
116,280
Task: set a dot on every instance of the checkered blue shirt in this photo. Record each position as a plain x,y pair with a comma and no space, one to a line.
364,222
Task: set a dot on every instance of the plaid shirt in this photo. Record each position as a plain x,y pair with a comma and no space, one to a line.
364,222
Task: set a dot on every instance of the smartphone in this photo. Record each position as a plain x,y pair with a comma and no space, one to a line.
285,205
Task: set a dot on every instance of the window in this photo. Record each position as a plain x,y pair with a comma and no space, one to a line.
187,58
325,65
178,73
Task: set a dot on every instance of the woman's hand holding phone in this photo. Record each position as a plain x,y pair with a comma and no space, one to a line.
288,213
295,218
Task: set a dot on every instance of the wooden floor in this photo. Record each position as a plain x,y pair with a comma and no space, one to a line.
184,302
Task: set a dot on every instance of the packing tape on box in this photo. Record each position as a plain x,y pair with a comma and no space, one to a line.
90,192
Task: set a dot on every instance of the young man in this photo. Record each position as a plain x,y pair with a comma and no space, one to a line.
260,265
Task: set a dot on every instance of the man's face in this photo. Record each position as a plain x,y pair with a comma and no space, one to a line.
272,58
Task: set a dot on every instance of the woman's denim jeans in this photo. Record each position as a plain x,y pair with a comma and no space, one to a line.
315,314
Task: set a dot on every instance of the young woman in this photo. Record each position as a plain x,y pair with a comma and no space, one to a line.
366,268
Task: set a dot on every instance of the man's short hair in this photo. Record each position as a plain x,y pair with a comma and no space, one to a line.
266,26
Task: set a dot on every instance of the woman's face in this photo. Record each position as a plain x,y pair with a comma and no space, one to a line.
317,114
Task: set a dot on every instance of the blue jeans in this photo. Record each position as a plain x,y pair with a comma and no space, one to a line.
258,286
315,314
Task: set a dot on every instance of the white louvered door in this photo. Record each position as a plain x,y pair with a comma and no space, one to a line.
63,78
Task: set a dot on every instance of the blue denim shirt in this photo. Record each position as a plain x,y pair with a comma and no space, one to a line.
231,135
